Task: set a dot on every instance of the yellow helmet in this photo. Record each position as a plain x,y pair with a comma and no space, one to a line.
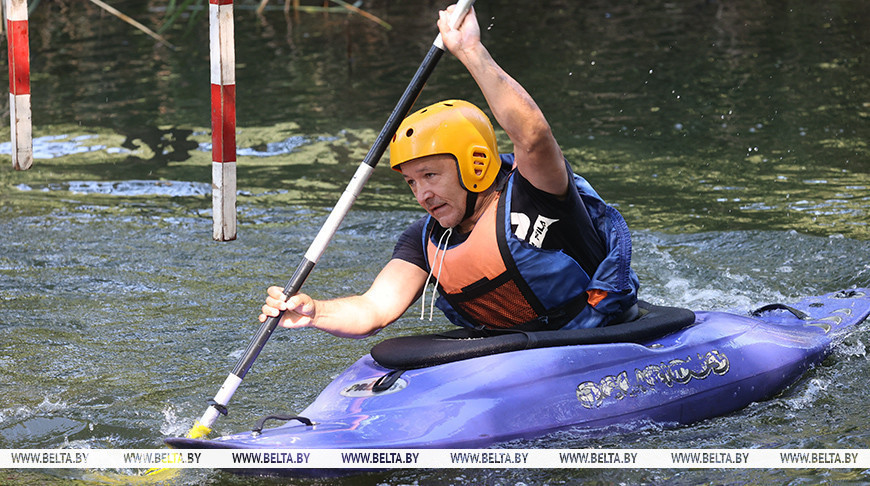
453,127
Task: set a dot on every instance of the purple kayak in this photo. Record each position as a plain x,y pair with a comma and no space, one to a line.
461,389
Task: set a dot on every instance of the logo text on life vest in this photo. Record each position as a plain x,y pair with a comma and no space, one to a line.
538,230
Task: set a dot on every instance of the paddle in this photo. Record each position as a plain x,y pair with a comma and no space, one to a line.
218,406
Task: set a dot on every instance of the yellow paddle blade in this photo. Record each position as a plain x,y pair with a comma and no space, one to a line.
198,431
153,477
158,475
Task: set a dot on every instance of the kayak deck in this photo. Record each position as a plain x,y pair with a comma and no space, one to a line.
719,364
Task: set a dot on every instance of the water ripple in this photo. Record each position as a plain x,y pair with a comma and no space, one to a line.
127,188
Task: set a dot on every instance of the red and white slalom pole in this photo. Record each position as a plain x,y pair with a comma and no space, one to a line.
223,118
19,84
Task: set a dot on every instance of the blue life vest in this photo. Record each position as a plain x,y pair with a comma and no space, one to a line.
493,279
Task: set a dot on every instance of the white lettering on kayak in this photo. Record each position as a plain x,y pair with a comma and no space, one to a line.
674,372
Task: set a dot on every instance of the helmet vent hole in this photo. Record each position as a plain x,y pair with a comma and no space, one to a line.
409,132
478,163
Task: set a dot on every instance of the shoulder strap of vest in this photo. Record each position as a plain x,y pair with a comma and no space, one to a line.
427,229
502,178
501,237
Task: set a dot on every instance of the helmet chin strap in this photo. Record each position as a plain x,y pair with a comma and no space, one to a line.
470,204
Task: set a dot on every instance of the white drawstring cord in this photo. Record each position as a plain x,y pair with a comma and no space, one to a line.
445,238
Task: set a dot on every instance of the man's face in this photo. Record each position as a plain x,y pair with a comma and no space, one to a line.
435,183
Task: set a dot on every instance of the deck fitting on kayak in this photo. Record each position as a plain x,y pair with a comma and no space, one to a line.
387,381
258,428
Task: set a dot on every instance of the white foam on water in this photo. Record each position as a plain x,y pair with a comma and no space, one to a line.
814,390
271,149
172,426
141,188
852,349
275,148
128,188
54,146
47,406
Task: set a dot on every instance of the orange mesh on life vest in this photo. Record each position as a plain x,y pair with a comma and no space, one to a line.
502,307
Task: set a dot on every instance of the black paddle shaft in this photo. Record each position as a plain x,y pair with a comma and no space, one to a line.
371,159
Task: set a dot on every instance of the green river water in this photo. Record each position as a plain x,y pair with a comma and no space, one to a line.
732,136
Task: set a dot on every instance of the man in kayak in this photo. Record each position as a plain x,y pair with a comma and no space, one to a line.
511,241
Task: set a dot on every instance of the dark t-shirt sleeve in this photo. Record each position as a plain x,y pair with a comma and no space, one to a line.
409,246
